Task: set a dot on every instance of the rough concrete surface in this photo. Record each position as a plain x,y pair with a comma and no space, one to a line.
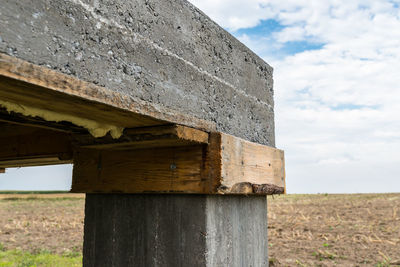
175,230
165,52
237,231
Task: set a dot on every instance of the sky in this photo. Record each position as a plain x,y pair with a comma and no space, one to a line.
337,91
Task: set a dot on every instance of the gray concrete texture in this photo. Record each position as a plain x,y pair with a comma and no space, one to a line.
175,230
166,52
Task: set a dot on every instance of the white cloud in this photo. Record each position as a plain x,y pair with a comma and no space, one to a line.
288,34
234,14
337,108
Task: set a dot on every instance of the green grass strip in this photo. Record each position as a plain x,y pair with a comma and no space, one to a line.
18,258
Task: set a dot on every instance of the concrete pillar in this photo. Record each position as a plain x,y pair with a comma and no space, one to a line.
175,230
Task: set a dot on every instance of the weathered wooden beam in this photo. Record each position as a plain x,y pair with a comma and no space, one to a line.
146,137
23,145
248,167
28,146
36,122
37,88
226,165
156,156
176,169
151,159
33,162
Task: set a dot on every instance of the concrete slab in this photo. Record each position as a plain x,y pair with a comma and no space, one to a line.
165,52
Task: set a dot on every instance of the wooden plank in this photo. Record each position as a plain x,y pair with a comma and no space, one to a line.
33,162
250,168
166,158
226,165
35,86
212,163
28,146
10,130
168,170
18,119
146,137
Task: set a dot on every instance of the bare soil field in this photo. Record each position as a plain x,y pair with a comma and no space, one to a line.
304,230
334,230
42,222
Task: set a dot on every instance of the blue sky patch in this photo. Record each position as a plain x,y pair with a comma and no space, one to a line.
264,28
291,48
265,31
353,107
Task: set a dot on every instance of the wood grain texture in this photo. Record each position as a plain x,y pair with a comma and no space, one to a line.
143,159
146,137
226,165
28,146
29,121
246,162
28,84
176,169
33,162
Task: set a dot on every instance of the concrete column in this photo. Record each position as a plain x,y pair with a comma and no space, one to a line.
175,230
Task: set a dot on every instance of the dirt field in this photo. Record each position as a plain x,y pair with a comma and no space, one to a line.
42,222
334,230
304,230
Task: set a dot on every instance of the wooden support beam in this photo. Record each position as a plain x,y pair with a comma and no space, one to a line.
248,167
146,137
28,146
33,162
176,169
23,83
36,122
227,165
156,156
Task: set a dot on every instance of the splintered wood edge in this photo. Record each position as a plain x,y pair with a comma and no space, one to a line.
20,70
216,159
250,168
178,131
191,134
250,188
201,168
146,137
